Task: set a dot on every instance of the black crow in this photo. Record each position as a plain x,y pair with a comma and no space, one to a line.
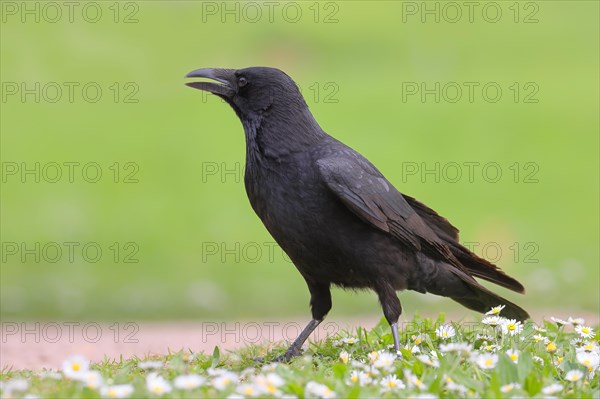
337,217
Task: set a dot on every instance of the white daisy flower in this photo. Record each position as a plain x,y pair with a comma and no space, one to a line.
349,340
487,360
574,375
552,389
223,380
150,365
496,310
453,386
188,357
591,360
584,331
559,321
539,338
16,384
538,359
489,347
157,384
576,341
492,320
391,383
188,381
373,356
511,327
117,391
385,360
463,348
576,321
92,379
509,387
75,367
538,328
269,384
344,357
513,354
414,381
445,331
360,377
428,361
589,347
418,339
247,390
315,390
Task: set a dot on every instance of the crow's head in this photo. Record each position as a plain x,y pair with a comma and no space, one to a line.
251,91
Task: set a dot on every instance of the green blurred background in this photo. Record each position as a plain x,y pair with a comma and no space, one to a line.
354,61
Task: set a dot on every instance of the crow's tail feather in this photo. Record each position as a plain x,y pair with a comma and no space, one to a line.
484,300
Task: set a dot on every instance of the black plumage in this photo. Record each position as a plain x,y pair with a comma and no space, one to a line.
336,216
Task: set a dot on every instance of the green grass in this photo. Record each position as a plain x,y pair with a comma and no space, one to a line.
353,364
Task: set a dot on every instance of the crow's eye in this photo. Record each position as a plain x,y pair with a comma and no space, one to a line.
242,82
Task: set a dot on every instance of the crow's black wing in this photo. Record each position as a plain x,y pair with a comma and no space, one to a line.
439,224
364,190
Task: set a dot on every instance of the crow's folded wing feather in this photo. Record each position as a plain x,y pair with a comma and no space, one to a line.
442,227
364,190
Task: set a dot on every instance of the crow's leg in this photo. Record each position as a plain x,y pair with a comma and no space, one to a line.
320,304
391,309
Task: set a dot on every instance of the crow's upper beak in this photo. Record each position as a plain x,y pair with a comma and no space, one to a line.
226,78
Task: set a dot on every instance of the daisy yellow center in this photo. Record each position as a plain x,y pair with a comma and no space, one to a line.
157,389
488,362
512,327
354,378
551,347
112,393
588,347
271,389
514,357
585,330
392,384
76,367
445,334
248,391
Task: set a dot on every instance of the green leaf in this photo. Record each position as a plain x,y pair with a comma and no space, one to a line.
340,370
215,357
533,384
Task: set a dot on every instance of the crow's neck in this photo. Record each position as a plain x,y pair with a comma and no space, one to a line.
277,133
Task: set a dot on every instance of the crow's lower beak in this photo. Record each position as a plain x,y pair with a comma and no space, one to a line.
225,77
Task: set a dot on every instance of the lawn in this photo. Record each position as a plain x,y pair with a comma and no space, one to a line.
494,357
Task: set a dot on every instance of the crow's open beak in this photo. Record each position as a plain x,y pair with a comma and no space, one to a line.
225,77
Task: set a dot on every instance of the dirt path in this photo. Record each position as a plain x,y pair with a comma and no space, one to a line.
36,345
